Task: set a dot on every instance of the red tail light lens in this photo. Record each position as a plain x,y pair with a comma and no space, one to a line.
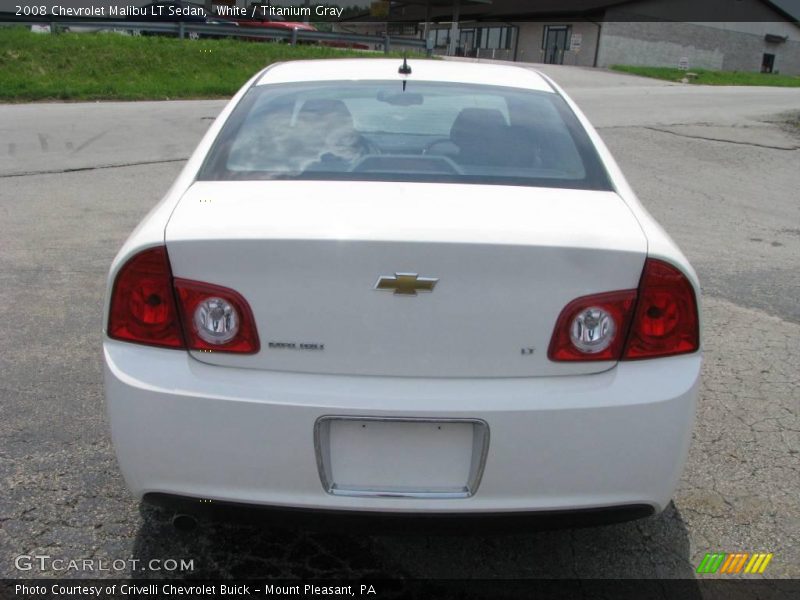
215,318
142,305
658,319
666,320
593,328
207,317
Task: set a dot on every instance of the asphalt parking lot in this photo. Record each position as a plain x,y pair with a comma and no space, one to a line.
717,167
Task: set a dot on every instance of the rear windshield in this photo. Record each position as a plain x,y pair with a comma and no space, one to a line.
425,132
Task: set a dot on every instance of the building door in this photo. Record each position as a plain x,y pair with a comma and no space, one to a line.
466,43
556,39
768,63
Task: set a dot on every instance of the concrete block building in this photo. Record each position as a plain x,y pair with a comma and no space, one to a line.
731,35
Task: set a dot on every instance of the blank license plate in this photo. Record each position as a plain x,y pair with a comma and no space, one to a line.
401,457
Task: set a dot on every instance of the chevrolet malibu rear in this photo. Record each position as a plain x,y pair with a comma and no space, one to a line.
410,289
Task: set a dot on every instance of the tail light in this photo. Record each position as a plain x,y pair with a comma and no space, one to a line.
216,318
593,328
658,319
205,317
142,303
666,320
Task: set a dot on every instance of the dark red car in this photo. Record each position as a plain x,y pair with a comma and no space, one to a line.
273,22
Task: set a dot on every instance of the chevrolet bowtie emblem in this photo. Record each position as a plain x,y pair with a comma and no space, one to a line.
405,284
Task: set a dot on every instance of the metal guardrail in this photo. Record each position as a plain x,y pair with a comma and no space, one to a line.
185,30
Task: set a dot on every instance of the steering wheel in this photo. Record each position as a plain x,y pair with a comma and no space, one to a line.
431,145
367,147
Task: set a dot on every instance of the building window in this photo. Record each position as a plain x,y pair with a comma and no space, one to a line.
470,39
401,29
439,37
494,37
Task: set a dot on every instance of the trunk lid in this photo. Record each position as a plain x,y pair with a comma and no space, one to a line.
307,257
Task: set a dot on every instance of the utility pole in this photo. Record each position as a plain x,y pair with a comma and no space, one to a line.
426,28
454,34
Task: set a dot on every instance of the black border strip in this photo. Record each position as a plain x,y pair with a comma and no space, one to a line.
414,11
405,589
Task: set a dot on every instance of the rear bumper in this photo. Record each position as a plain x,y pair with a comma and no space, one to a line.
184,428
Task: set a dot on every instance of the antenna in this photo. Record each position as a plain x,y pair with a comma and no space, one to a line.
404,68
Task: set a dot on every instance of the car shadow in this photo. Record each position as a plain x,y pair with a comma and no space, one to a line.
652,548
656,547
234,547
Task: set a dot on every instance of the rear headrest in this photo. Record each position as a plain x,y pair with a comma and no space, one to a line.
326,110
473,124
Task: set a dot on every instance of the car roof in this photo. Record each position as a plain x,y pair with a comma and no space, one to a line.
375,69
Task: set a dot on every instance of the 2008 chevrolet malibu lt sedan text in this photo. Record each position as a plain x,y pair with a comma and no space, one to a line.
388,288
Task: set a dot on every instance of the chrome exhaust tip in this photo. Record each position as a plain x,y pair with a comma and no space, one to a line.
184,522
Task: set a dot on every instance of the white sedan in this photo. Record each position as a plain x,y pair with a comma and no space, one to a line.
402,289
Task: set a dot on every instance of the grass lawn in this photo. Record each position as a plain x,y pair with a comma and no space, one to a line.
705,77
110,66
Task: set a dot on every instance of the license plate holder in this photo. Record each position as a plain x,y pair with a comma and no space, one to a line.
401,457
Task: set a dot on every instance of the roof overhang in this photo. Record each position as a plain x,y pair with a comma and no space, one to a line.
562,10
499,10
